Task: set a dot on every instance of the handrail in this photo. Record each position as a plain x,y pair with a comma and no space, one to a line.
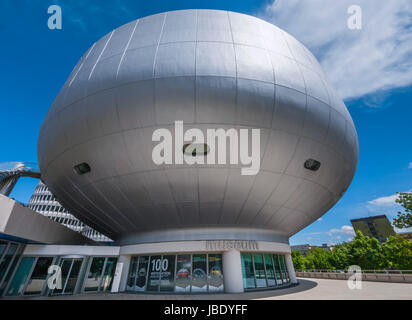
10,172
384,271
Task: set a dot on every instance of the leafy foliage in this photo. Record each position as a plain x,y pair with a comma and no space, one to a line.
404,219
366,252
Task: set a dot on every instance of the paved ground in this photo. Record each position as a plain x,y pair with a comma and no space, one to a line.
313,289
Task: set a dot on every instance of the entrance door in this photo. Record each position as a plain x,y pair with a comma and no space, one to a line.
70,269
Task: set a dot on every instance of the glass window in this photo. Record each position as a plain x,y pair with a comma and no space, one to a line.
70,269
167,278
247,271
38,276
17,284
277,269
142,273
73,276
176,273
108,274
65,265
285,274
199,279
94,276
215,274
154,273
132,274
183,273
270,272
10,270
8,256
3,246
259,271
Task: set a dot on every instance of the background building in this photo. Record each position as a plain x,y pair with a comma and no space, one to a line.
406,236
43,202
305,248
378,227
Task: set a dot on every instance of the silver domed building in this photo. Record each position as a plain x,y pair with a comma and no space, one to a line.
210,69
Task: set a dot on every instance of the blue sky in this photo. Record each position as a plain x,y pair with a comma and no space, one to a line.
371,68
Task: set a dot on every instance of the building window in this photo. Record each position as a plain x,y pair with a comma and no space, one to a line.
263,270
100,274
20,277
70,269
38,276
176,273
183,273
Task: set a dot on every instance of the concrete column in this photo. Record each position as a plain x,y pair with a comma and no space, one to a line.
125,260
291,269
232,271
117,277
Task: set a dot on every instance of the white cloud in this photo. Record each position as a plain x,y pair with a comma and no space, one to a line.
358,62
345,230
403,230
410,165
384,201
320,219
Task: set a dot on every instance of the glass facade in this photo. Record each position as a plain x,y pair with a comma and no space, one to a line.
38,276
78,274
248,271
70,269
176,273
94,275
9,256
100,274
17,285
179,273
215,274
263,270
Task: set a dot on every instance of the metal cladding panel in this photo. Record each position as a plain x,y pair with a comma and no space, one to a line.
137,65
211,69
317,120
119,40
135,105
260,70
104,75
179,26
175,59
215,59
287,72
261,96
277,161
175,100
314,85
213,25
216,98
246,30
183,183
290,110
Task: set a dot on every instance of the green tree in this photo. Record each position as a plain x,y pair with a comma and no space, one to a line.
319,258
298,260
398,253
365,252
338,257
404,219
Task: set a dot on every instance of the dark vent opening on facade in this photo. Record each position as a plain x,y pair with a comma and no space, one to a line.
82,168
312,164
